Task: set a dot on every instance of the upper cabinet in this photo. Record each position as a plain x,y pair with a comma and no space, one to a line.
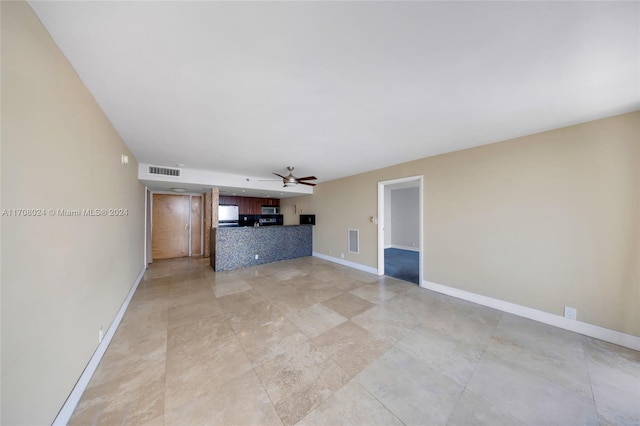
249,205
225,199
271,202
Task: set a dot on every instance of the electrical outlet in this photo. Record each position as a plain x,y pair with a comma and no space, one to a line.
100,335
571,313
257,257
342,255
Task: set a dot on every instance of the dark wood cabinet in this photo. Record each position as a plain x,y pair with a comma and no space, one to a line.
249,205
256,206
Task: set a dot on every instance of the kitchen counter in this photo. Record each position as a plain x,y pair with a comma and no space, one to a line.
239,247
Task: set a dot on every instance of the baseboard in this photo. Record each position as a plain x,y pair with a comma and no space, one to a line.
601,333
74,397
405,247
348,263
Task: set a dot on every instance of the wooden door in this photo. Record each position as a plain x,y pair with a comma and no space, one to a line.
170,228
196,226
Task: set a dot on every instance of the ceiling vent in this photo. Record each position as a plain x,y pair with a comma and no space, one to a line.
164,171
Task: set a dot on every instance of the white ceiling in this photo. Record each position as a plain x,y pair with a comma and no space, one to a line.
339,88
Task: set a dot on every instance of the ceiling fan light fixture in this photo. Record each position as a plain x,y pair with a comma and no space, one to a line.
291,180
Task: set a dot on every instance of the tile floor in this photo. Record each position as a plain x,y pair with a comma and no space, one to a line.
310,342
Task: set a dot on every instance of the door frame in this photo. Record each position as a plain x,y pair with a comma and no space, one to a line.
382,185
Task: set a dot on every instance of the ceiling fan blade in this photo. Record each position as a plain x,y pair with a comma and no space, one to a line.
308,178
279,175
306,183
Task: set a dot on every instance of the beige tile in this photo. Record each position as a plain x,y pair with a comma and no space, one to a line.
315,320
321,293
373,293
452,358
158,421
570,372
186,276
473,410
190,286
354,274
292,302
230,287
259,315
190,312
546,340
184,356
269,340
348,305
239,303
615,380
351,405
264,331
346,285
158,285
394,284
617,357
410,389
241,401
129,355
144,318
201,366
300,379
350,346
130,397
286,274
306,282
201,332
466,324
528,397
386,325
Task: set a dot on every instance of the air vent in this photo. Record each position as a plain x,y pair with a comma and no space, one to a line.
354,241
165,171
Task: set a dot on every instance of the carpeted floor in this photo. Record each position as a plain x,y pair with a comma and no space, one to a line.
401,264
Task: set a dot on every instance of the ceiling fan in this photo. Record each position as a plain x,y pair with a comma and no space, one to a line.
291,180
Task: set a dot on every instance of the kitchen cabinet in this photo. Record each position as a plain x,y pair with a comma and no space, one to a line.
228,199
249,205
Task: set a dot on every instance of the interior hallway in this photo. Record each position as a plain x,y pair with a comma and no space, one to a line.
311,342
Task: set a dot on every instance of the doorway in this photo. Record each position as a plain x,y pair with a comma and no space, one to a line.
176,226
400,228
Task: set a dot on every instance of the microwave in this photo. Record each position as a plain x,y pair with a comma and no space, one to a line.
270,210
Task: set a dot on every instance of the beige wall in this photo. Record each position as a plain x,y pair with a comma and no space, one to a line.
543,221
62,277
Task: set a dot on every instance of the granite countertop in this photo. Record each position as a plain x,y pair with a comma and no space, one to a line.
264,226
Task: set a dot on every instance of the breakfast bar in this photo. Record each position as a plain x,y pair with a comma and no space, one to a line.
239,247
